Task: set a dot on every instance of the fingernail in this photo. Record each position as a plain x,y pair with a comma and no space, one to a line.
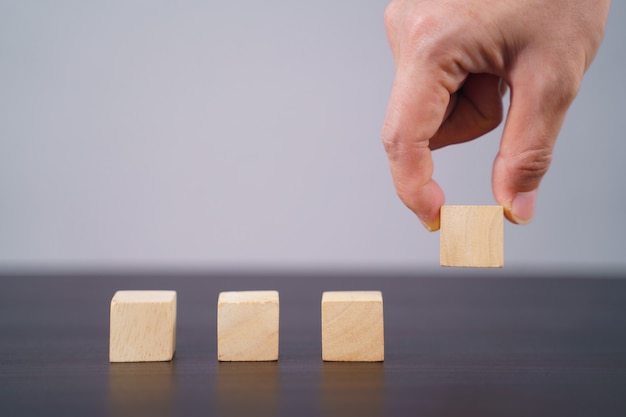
523,207
502,87
432,225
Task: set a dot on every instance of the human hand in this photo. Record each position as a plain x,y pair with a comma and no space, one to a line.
454,59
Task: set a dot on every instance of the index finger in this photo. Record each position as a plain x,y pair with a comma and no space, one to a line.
416,109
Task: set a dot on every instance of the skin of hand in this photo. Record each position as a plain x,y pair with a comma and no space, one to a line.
454,60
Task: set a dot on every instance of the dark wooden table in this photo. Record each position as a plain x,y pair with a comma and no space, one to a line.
457,343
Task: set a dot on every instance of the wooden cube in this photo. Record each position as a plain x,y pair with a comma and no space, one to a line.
352,326
472,236
143,326
247,326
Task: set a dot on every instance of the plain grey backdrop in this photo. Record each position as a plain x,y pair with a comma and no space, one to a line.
206,134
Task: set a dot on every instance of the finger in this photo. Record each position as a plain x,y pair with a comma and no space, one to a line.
539,101
416,110
477,110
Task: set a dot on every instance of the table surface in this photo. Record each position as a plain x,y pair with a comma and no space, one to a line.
456,343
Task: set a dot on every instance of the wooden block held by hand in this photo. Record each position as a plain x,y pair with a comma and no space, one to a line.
472,236
143,326
353,326
247,326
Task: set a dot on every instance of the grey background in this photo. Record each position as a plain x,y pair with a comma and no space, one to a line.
154,134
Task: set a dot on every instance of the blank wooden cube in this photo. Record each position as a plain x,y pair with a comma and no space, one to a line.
352,326
472,236
247,326
143,326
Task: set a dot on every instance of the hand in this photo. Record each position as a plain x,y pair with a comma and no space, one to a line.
454,60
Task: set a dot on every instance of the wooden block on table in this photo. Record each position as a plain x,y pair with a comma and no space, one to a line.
247,326
472,236
353,326
143,326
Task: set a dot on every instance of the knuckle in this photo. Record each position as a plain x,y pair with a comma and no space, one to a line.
390,16
491,117
398,144
530,166
422,28
391,139
427,31
560,86
486,125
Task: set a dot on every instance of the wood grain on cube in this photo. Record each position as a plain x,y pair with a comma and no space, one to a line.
353,326
247,326
472,236
143,326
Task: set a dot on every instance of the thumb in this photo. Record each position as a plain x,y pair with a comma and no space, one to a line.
539,102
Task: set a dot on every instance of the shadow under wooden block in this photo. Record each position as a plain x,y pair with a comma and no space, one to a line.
353,326
143,326
472,236
247,326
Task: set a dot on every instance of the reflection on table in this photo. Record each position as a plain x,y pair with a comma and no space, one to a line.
247,388
142,388
353,388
